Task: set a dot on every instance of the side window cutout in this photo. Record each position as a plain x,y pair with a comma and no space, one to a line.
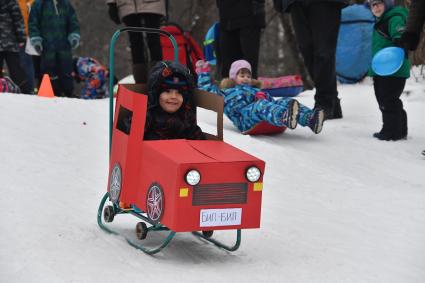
124,120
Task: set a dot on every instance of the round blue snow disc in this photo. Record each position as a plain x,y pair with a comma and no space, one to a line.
387,61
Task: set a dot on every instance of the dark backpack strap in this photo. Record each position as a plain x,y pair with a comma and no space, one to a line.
382,27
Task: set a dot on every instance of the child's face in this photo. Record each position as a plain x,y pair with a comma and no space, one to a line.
243,77
378,9
170,100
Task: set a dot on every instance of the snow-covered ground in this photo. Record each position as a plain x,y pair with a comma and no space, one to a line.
337,207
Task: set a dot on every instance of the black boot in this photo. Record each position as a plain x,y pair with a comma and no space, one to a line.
404,124
392,127
332,111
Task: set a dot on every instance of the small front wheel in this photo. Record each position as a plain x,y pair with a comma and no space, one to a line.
208,234
141,230
108,213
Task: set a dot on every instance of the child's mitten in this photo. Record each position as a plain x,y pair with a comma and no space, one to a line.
260,95
37,43
202,67
74,40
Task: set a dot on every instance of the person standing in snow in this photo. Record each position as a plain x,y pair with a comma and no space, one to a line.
241,22
140,13
415,25
54,33
316,24
12,38
26,59
387,31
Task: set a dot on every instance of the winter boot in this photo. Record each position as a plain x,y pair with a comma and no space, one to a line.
315,122
404,124
290,116
140,73
392,127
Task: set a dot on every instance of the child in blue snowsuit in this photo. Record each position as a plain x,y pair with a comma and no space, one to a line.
246,105
94,76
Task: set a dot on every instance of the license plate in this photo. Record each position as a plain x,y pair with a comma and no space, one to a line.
220,217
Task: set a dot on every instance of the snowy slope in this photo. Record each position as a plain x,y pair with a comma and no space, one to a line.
337,207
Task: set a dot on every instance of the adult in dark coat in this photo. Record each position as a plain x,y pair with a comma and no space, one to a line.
316,24
140,13
414,26
241,22
12,37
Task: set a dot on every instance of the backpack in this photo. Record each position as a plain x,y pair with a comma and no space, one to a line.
189,50
7,85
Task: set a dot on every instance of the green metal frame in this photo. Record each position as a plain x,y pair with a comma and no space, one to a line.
112,66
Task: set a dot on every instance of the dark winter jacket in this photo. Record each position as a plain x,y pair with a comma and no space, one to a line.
161,125
236,14
12,31
285,5
53,24
388,28
416,19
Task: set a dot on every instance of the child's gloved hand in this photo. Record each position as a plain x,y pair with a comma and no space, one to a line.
37,43
408,40
74,40
202,67
260,95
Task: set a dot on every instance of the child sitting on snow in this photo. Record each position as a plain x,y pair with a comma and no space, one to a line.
246,105
94,76
171,112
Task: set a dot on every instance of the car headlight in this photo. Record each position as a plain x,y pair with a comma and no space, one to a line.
253,174
193,177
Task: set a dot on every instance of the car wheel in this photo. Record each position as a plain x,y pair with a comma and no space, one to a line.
208,234
115,183
108,213
141,230
155,203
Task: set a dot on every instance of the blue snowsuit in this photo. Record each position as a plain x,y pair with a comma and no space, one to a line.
245,111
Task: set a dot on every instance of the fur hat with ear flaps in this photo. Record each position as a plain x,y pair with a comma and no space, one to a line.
169,75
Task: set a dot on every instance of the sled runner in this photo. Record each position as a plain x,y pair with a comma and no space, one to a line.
204,186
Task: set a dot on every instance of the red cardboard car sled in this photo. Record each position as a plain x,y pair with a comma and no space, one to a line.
197,186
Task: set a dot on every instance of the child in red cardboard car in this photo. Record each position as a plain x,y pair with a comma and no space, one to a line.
171,113
247,106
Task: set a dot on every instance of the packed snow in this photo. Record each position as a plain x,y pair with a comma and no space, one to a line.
340,206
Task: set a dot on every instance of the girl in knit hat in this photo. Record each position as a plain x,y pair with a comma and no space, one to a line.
387,31
246,105
171,112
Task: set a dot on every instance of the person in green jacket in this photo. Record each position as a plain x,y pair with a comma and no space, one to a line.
54,33
389,26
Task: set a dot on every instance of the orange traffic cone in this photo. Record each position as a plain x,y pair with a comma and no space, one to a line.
46,89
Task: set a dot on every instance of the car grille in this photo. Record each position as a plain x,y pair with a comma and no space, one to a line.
219,194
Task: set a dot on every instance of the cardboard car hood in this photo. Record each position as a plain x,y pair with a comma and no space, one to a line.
198,151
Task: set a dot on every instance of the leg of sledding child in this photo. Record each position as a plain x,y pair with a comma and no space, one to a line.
280,114
311,118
